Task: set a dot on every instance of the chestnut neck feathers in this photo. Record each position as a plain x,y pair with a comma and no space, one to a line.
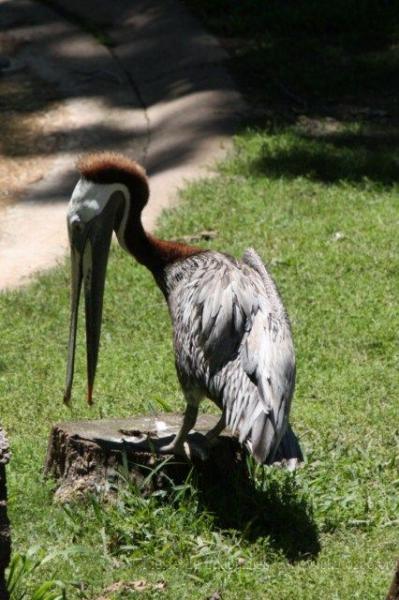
155,254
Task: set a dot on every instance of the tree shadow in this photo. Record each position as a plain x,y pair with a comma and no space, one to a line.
319,59
309,55
57,64
371,154
323,60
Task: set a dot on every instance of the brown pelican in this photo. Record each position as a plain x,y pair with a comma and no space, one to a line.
232,337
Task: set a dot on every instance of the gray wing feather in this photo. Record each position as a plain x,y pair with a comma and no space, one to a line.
225,308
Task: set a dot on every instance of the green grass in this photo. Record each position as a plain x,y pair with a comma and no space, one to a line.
341,294
316,194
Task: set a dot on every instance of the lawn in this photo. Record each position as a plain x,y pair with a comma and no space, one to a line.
314,188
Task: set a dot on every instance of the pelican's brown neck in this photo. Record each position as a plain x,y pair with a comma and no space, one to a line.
153,253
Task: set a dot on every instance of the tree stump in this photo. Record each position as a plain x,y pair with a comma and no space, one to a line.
393,593
91,456
5,536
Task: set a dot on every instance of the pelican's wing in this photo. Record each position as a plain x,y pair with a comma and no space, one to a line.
230,323
225,301
267,356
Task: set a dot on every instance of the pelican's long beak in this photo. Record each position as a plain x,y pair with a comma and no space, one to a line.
90,243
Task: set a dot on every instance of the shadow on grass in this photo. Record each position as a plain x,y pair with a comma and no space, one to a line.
259,502
369,155
278,512
321,60
256,501
309,52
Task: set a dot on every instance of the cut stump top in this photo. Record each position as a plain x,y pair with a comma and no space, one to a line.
87,455
146,433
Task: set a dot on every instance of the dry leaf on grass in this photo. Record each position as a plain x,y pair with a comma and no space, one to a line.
139,585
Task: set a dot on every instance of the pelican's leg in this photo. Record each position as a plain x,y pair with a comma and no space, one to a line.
179,444
213,433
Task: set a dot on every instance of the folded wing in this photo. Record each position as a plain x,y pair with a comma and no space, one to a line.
234,332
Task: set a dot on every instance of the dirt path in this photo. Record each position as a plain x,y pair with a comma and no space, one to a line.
147,81
29,106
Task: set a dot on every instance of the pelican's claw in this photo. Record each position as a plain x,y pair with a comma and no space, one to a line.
188,450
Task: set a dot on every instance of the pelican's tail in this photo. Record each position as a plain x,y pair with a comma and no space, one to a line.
289,453
256,426
262,438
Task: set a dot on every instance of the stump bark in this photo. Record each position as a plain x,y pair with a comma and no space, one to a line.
393,593
91,456
5,536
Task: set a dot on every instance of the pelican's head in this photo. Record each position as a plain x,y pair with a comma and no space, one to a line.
111,190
